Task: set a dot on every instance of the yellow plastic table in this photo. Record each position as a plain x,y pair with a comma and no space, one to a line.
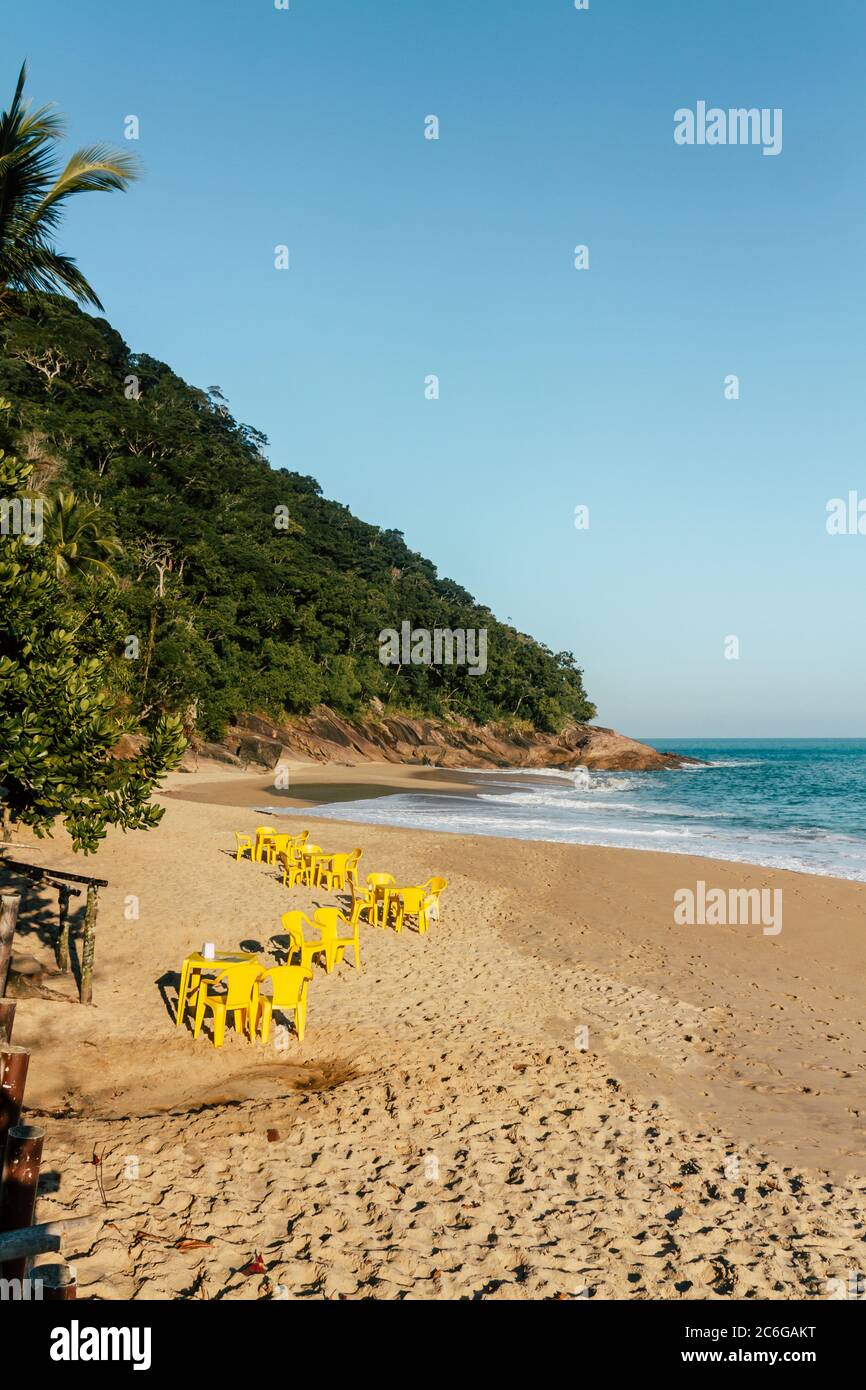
197,964
394,891
264,845
309,856
319,860
383,893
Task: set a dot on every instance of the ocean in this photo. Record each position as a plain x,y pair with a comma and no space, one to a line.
785,803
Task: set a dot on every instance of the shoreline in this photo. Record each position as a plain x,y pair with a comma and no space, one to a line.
313,785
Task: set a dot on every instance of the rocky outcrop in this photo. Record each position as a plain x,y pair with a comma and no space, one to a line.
326,737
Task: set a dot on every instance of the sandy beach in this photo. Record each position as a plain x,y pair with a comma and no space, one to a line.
557,1092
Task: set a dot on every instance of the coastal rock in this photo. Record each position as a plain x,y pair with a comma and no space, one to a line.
325,736
219,753
252,747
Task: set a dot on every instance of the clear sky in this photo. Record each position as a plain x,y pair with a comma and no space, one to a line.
455,257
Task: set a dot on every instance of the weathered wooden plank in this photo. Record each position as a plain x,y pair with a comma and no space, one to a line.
7,1019
37,870
9,905
88,947
63,937
42,1240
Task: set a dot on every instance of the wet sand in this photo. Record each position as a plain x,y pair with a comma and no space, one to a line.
312,785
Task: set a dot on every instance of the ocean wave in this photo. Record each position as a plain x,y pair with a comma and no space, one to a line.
801,809
580,821
576,778
564,802
723,762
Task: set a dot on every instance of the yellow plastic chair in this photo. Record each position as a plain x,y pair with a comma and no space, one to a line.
294,923
240,999
379,885
318,862
308,856
295,843
195,966
289,991
245,845
408,902
352,866
332,872
432,908
363,900
264,837
293,867
329,920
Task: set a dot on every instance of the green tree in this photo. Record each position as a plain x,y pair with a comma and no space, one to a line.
33,192
75,533
59,720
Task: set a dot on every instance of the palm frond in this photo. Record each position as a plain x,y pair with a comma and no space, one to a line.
75,531
38,269
93,170
33,195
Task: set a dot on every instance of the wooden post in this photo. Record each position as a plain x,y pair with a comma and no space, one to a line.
7,1019
88,945
9,905
14,1062
58,1282
18,1192
63,939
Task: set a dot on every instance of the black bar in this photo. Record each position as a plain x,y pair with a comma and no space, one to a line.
36,871
817,1333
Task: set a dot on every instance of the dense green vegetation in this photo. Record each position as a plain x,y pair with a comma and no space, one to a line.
59,717
239,587
61,676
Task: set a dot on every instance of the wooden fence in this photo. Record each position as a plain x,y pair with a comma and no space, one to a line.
20,1161
21,1143
62,880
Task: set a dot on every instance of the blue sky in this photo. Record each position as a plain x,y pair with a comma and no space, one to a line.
557,387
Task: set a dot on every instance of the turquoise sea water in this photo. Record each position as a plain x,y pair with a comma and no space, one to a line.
787,803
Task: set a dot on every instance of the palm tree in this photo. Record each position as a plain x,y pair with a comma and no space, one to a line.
75,531
33,191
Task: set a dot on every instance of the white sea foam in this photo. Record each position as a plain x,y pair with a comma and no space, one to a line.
722,762
753,820
566,820
575,776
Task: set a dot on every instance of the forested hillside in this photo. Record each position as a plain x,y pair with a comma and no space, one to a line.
239,586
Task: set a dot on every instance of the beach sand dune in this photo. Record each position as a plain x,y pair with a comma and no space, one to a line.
556,1092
